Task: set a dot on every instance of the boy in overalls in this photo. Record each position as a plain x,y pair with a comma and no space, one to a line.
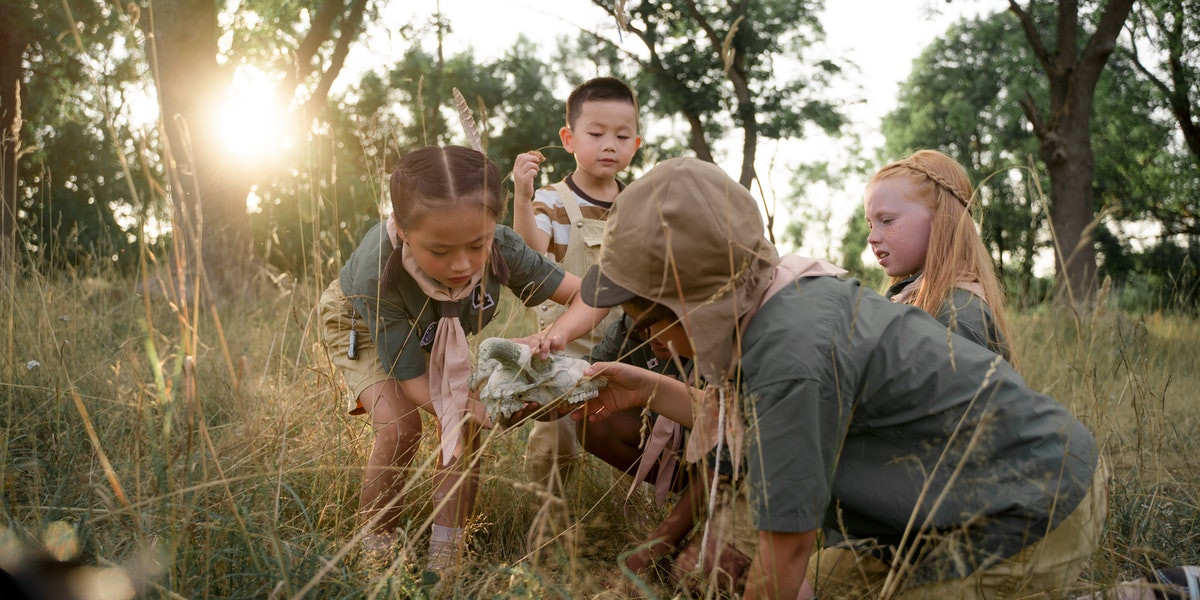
567,219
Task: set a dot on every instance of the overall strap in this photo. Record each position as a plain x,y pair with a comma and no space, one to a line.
568,199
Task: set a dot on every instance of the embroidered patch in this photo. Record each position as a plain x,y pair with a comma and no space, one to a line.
480,299
427,337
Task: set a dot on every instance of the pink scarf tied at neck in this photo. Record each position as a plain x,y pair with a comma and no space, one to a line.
450,357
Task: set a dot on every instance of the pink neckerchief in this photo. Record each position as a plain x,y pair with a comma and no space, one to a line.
665,438
450,357
706,404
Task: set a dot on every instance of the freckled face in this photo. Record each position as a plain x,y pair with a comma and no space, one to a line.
899,225
451,245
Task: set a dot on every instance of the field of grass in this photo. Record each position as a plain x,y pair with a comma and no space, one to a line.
207,453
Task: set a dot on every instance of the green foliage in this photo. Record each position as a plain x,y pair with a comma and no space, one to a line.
77,203
854,242
1141,169
812,222
528,112
269,33
1162,277
1169,29
80,206
720,66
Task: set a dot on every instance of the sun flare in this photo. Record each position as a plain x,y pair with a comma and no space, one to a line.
250,121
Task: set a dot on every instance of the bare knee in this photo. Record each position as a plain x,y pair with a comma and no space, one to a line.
400,436
396,421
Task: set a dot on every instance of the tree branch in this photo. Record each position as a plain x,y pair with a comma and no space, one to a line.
1034,116
1066,35
735,73
319,33
1031,33
346,35
713,39
1136,59
638,33
1104,40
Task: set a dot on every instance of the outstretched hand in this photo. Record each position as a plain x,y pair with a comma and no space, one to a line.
628,387
543,343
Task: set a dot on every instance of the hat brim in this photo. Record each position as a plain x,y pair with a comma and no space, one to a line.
600,292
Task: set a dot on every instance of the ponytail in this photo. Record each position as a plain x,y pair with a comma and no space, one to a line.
392,268
499,265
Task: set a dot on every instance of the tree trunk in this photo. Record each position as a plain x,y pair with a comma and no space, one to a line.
1072,70
13,42
1068,156
207,191
698,142
749,121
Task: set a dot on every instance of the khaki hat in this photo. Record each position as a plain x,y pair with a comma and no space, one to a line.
687,236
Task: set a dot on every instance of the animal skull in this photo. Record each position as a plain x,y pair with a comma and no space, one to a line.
507,375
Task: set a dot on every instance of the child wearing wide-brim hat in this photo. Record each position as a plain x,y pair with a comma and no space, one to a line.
928,464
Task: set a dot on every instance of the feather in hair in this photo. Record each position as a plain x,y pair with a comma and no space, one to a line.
468,121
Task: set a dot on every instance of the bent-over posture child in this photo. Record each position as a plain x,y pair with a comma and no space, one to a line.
396,322
922,234
930,467
566,219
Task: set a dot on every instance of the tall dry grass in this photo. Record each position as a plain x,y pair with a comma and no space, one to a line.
1135,381
233,472
217,462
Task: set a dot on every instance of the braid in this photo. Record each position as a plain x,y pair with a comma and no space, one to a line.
938,180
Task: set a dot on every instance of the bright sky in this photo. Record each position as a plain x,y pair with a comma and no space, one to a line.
881,36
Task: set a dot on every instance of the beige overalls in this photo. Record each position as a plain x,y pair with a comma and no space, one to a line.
552,447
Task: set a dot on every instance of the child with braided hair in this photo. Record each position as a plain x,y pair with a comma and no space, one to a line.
919,212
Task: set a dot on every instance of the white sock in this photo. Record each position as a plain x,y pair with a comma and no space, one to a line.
443,545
